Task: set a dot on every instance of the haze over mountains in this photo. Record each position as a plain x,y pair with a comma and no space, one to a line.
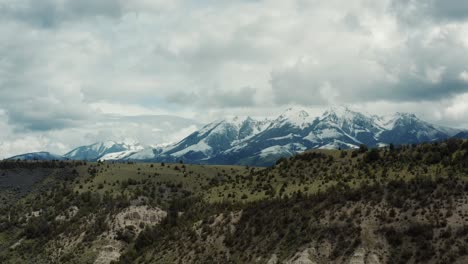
247,141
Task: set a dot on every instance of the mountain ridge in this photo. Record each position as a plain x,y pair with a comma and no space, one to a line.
248,141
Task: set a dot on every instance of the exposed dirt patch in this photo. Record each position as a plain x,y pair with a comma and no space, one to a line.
68,214
131,219
303,257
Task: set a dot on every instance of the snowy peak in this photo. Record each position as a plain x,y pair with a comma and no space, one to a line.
407,119
386,122
346,128
390,121
215,138
295,117
221,126
238,121
102,146
341,115
247,141
407,128
97,150
294,112
406,115
244,140
240,127
338,111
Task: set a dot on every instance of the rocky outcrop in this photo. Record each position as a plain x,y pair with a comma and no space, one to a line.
303,257
133,218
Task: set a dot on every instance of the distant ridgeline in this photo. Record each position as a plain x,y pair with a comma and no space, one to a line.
245,141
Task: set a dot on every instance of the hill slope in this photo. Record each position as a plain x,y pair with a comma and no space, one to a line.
38,156
392,205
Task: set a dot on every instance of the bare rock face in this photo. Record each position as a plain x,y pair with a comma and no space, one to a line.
273,259
67,214
134,217
373,259
304,257
109,253
313,256
363,256
359,257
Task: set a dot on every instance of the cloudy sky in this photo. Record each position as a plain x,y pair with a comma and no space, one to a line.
77,71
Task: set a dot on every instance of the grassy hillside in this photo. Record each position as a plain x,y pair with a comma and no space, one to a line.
390,205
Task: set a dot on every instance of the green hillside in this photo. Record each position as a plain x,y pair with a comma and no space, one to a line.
391,205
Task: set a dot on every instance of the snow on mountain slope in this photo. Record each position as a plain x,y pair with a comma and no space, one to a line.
201,146
404,128
288,136
136,152
107,149
347,125
286,150
244,140
295,117
121,155
214,138
337,144
296,130
147,153
292,132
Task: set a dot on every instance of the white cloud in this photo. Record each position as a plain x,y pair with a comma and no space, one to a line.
434,75
125,109
148,129
66,65
464,76
458,109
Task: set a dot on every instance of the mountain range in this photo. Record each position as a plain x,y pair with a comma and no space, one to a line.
248,141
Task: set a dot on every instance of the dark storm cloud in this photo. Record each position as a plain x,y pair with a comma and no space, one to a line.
318,88
239,98
41,112
216,98
39,122
50,13
412,90
32,94
418,62
61,58
352,22
449,9
417,11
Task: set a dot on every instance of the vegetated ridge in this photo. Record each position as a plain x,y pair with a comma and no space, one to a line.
405,204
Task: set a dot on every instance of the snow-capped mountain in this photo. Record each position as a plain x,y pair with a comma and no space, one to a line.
213,139
138,153
295,131
404,128
38,156
107,150
244,140
293,117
